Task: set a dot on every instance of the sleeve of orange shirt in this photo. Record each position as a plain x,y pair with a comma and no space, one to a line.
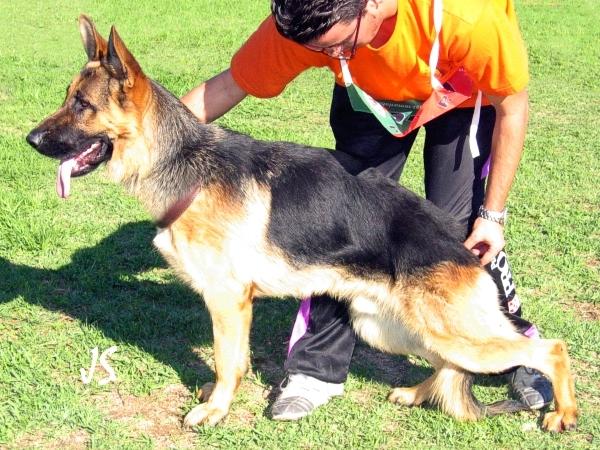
267,62
494,56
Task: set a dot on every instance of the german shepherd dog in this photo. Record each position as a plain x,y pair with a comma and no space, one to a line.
239,218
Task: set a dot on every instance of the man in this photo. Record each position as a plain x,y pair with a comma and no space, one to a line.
399,65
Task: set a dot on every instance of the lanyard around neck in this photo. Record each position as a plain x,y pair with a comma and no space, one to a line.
434,55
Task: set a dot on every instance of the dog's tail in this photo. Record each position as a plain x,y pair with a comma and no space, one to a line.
451,389
507,406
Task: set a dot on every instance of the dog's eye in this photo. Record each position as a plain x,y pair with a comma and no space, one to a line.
81,103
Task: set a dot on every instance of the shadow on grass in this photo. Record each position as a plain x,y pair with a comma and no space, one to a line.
101,287
165,318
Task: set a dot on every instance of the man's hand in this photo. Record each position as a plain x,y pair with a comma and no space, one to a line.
486,240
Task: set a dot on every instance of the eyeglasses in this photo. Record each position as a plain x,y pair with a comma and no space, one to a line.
341,50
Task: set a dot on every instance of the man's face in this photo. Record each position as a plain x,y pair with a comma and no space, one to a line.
341,40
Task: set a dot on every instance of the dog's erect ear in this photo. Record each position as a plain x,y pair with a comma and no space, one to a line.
94,44
121,61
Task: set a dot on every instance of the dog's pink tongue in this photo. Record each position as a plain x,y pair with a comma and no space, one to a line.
63,180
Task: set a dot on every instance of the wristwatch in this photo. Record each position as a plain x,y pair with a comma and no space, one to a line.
495,216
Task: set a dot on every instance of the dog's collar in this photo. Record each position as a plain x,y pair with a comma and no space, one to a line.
176,209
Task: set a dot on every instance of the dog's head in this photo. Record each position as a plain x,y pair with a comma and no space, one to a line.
101,114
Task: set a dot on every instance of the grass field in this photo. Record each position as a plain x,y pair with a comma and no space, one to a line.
81,273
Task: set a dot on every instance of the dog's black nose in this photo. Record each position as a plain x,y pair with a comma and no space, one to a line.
34,138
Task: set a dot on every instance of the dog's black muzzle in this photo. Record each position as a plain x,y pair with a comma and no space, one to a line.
35,137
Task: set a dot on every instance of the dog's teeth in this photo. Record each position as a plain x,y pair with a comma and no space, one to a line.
92,148
63,180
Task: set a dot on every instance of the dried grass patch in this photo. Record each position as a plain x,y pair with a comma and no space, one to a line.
157,415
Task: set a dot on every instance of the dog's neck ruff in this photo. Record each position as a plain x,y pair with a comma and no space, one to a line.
177,209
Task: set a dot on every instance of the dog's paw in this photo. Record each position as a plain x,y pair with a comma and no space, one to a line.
204,414
557,422
403,396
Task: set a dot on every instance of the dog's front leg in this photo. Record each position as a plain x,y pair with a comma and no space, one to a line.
231,313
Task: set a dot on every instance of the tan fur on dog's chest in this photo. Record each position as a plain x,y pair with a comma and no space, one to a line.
216,236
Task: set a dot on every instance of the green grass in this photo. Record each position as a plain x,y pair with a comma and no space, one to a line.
81,273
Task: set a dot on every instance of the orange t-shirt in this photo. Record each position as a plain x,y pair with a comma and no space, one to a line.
482,36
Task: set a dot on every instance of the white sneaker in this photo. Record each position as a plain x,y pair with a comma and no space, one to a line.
301,395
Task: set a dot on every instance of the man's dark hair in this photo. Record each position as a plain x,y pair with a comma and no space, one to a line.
305,20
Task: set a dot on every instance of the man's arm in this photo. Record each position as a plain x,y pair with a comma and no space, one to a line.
487,237
214,97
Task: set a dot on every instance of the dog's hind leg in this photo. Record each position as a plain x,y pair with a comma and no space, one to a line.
449,388
564,416
458,318
415,395
389,335
495,355
230,308
425,390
